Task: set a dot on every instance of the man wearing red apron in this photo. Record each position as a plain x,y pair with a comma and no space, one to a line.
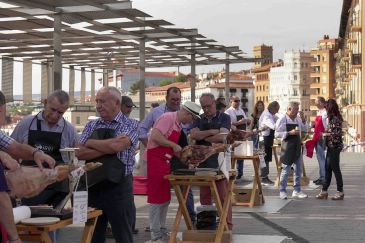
161,147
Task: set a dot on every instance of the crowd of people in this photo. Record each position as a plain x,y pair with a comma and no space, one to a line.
114,138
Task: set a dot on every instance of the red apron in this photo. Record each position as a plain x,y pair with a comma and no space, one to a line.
318,129
158,165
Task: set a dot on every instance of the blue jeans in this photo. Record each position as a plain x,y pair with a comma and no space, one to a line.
255,140
190,206
285,173
239,168
321,157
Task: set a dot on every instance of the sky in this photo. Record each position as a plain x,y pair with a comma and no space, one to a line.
284,24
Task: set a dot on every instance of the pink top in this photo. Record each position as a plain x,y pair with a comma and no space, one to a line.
165,124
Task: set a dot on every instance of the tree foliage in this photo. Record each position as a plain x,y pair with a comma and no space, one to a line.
165,82
135,86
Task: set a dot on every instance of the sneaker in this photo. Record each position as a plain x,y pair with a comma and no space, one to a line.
238,177
319,182
299,195
315,181
283,195
156,241
267,181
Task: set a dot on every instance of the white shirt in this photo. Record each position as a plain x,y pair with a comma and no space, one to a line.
233,113
267,120
280,131
323,114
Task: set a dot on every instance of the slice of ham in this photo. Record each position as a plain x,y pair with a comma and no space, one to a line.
26,182
196,154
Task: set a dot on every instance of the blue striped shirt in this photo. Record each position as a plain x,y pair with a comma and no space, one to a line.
5,140
122,125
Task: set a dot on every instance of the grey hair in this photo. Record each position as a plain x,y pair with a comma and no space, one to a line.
61,96
210,95
293,104
273,105
114,92
2,98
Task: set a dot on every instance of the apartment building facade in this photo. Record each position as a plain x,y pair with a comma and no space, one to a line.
350,83
323,73
291,82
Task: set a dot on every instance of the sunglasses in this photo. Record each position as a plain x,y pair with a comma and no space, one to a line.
236,101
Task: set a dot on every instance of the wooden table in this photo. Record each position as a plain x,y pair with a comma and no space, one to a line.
256,185
304,179
193,180
40,233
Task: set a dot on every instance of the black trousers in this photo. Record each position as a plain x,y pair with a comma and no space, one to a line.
47,196
268,142
333,164
117,202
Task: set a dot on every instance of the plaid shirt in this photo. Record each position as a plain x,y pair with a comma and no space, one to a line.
122,125
5,140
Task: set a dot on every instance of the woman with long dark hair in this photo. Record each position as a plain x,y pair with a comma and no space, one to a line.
255,116
334,144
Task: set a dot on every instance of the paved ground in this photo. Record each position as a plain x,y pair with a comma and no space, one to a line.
307,220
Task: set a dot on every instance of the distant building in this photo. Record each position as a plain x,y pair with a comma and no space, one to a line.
78,115
265,53
323,73
239,85
262,81
126,77
350,81
291,82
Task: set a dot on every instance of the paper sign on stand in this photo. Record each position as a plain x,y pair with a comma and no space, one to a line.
224,160
80,207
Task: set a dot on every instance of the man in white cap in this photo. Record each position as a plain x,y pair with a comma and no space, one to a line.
161,147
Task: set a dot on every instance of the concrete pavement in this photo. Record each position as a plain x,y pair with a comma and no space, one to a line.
306,220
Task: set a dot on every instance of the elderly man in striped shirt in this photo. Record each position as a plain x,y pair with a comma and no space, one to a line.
112,140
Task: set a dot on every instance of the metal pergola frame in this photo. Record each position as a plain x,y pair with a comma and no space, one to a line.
104,34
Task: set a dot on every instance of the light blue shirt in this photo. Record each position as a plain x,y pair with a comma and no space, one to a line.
146,125
69,136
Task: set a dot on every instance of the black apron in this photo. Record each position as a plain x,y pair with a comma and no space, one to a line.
212,161
49,143
290,147
175,162
242,126
112,169
268,143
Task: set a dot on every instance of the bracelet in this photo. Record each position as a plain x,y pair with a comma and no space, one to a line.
35,151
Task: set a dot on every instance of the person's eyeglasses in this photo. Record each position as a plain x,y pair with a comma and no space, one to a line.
129,106
236,101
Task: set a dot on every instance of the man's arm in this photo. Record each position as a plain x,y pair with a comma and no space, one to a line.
86,153
161,140
8,162
27,152
145,126
109,146
196,134
7,217
218,138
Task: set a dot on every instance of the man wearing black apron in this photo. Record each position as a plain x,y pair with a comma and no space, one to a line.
10,147
267,126
48,131
112,140
239,121
289,129
207,131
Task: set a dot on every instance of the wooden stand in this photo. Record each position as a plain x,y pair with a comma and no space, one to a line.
255,195
40,233
304,179
192,180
